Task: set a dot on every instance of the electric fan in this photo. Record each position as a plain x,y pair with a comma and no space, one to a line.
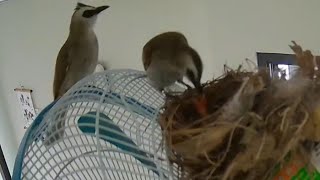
108,130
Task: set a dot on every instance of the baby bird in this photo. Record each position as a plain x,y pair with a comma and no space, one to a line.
168,58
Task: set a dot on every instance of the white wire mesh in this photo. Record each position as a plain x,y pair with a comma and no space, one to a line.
110,131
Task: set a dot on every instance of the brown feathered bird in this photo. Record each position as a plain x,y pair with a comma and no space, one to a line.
77,59
168,58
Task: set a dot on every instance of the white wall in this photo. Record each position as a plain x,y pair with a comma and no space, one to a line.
8,139
32,32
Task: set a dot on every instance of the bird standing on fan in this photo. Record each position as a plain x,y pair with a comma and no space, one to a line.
167,58
77,58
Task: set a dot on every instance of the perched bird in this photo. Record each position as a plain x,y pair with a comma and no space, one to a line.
168,58
77,59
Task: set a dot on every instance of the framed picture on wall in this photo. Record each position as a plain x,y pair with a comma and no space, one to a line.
26,105
279,65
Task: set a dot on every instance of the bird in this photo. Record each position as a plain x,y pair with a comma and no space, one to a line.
77,58
167,58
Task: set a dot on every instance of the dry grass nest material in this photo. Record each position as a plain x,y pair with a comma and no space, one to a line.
252,123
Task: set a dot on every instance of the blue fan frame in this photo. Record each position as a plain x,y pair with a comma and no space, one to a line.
111,97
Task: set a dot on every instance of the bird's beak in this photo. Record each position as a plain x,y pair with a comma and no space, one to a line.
100,9
200,89
198,86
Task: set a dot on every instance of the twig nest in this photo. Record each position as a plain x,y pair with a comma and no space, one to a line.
252,123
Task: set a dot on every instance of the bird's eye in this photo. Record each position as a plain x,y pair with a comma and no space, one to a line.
88,13
190,74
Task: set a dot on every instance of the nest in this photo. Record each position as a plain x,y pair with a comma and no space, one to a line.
250,124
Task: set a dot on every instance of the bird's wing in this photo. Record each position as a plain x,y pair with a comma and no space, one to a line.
62,66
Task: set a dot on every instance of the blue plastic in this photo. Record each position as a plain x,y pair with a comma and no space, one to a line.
27,140
112,98
86,124
115,99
